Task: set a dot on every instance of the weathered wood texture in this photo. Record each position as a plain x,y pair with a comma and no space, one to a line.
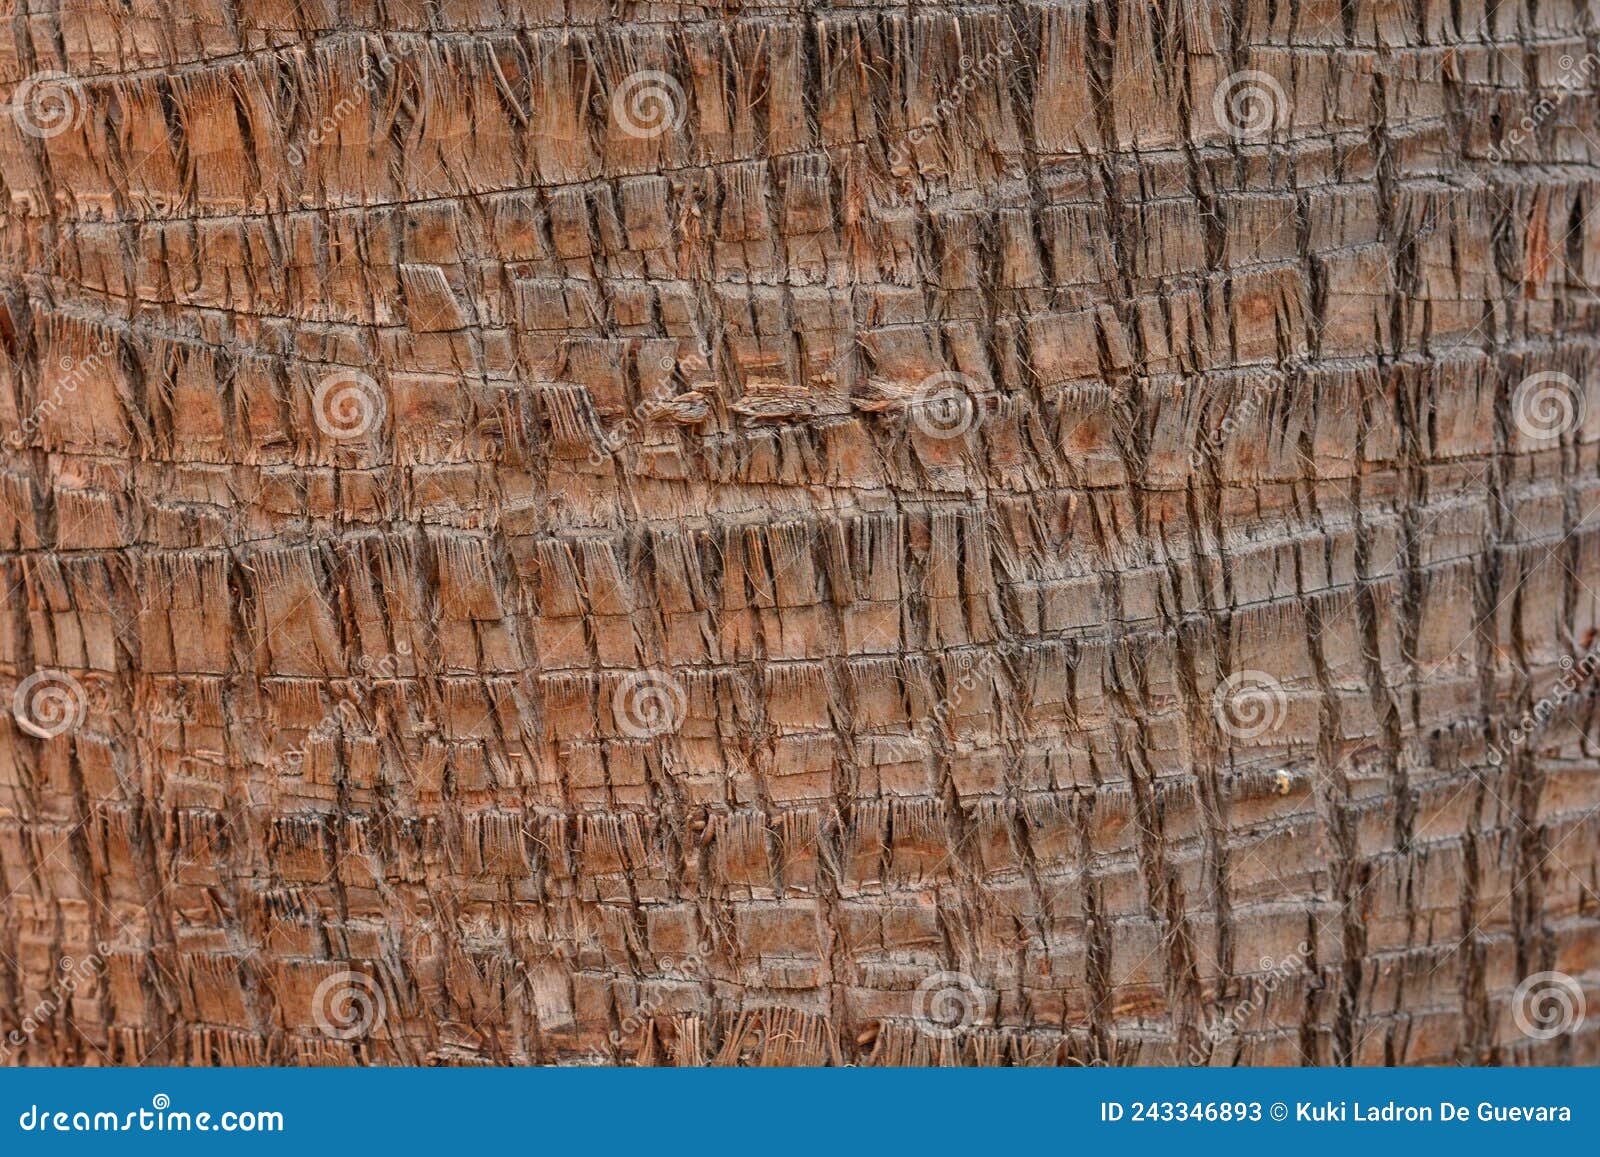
655,671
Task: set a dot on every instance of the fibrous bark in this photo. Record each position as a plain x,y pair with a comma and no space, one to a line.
1049,533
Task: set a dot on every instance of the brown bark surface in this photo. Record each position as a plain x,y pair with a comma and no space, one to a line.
1062,532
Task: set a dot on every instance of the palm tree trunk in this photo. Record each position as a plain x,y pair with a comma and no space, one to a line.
1052,533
